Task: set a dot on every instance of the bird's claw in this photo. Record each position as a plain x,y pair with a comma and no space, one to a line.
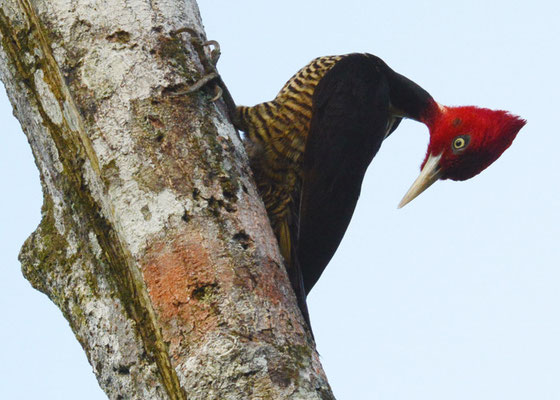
186,29
218,93
200,45
199,84
215,52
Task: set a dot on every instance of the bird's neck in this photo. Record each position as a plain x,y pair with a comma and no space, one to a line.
409,100
432,114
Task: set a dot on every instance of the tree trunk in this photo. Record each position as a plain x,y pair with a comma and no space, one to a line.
153,241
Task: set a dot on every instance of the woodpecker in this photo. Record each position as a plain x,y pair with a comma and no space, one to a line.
309,149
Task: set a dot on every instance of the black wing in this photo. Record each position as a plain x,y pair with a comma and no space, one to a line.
349,122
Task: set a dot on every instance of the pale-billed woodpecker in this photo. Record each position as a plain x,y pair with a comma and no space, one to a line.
309,149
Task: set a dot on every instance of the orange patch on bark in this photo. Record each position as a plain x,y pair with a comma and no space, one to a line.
181,282
188,281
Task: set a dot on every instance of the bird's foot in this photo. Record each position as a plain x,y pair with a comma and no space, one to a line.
208,52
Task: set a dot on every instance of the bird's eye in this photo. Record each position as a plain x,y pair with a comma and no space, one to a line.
460,142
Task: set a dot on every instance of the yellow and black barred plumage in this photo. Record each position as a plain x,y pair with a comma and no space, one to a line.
276,133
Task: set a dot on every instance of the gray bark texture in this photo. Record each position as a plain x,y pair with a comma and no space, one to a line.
153,241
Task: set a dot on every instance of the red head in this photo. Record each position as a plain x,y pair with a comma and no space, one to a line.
463,142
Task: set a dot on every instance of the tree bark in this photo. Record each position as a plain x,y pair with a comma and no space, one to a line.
153,241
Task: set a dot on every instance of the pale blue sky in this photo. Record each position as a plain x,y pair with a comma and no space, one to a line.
455,296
